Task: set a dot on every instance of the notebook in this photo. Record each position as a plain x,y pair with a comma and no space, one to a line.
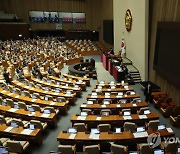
32,126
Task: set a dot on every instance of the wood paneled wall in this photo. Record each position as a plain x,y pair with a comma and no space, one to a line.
162,10
96,11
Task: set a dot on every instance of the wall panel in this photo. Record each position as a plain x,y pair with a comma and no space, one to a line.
162,10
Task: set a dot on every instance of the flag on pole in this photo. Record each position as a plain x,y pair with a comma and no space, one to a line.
123,48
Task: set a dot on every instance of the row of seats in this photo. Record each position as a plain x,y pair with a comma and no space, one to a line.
8,145
167,108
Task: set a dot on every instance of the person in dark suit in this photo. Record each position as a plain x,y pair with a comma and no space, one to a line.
6,76
147,92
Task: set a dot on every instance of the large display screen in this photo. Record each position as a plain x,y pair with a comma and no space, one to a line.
56,17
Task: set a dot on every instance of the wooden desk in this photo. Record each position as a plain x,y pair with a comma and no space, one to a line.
123,137
113,97
77,78
116,107
114,90
73,82
35,136
114,120
76,90
62,106
26,115
108,85
71,97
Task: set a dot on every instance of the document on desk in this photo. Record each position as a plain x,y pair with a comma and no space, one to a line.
83,105
52,103
27,131
98,118
32,88
142,117
127,117
140,134
118,96
17,96
12,110
103,106
118,105
8,129
169,130
45,115
31,114
107,96
3,91
33,100
10,94
27,87
93,96
134,104
94,136
72,136
81,118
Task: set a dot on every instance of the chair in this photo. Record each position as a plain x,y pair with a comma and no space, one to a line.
38,124
130,126
37,95
125,110
11,88
50,98
38,86
92,149
3,141
67,149
80,127
175,121
89,111
44,79
26,93
144,148
18,91
10,102
26,81
153,125
104,112
118,149
19,122
158,103
170,147
141,111
36,107
176,111
1,100
169,101
2,120
17,146
31,84
22,105
51,109
104,127
167,112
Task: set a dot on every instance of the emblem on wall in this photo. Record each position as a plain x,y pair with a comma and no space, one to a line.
128,20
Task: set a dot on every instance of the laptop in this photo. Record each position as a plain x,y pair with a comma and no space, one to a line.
34,96
140,129
126,113
178,150
106,102
72,130
14,124
46,111
117,130
31,109
84,113
4,103
57,91
46,89
105,113
16,106
3,150
32,126
147,112
46,98
160,127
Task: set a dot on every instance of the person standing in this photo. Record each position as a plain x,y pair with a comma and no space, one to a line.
6,76
147,92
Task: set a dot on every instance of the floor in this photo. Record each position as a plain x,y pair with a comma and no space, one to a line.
49,137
